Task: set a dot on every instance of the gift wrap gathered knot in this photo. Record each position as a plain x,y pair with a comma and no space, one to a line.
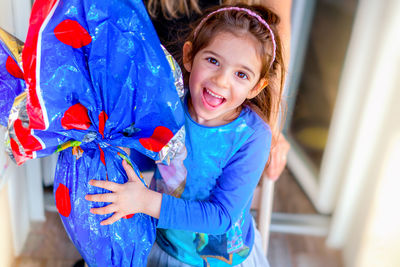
96,80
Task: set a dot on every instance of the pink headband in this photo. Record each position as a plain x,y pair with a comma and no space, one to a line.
251,13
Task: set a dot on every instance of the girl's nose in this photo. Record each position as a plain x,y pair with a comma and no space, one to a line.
221,79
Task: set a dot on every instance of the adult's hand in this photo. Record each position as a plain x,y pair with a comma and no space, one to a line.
278,158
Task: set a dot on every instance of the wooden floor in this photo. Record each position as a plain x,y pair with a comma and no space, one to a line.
288,250
48,244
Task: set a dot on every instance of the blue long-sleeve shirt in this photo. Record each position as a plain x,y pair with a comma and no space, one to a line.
211,220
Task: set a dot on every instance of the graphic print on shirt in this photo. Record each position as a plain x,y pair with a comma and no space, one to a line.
223,246
173,177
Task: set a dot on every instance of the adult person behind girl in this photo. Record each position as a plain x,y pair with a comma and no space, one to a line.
172,19
227,144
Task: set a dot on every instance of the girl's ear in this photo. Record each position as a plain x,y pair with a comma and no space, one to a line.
262,83
187,61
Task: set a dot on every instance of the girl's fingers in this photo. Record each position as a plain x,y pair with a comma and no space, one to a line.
130,172
104,210
111,186
108,197
112,219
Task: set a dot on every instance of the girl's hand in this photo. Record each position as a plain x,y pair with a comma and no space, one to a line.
131,197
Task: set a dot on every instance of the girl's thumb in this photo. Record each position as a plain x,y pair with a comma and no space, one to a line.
129,171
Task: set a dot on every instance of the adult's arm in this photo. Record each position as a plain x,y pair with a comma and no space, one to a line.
280,148
283,9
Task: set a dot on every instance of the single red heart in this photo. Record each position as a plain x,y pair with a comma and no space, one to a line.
76,117
19,158
160,137
128,216
71,33
63,200
27,140
13,68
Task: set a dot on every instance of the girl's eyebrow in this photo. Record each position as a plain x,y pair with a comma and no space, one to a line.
248,69
241,66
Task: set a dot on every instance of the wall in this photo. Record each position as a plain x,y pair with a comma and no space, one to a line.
366,221
374,239
14,208
6,240
6,246
14,194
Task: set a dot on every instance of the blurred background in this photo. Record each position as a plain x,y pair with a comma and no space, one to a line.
336,204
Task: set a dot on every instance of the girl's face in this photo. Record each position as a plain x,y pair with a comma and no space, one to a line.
222,76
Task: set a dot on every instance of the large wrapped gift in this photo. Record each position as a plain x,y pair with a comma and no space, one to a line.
96,80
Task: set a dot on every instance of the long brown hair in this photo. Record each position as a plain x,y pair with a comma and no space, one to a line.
172,9
268,102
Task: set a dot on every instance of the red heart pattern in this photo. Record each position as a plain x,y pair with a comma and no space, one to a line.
160,137
27,140
128,216
71,33
13,68
19,158
76,117
63,200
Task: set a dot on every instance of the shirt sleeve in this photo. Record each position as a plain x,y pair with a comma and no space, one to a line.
231,194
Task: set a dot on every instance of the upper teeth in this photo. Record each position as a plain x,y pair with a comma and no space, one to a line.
214,95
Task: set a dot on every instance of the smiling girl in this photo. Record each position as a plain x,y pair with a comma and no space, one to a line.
231,61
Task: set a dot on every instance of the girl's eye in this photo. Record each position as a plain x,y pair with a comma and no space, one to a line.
242,75
213,61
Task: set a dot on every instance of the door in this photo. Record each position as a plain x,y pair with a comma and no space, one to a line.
320,36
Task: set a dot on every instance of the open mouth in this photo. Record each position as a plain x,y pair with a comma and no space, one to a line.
212,99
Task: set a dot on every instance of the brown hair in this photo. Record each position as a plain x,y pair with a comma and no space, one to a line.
172,9
268,102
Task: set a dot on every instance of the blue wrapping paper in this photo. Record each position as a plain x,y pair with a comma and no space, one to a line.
97,79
